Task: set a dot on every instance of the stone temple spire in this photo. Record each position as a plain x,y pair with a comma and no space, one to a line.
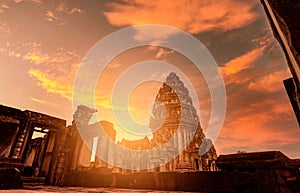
175,119
174,109
172,98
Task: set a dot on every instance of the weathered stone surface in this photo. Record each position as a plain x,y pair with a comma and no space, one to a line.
47,189
146,180
187,181
83,115
259,172
10,178
205,181
9,123
10,112
45,120
166,180
250,161
284,20
16,142
174,117
126,180
287,11
11,163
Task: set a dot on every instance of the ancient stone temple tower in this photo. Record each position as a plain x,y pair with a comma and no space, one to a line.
174,101
174,116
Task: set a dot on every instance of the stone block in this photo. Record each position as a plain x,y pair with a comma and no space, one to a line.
10,178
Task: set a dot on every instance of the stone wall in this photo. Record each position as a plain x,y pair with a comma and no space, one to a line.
276,180
250,172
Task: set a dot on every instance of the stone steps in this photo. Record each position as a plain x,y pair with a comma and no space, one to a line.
29,182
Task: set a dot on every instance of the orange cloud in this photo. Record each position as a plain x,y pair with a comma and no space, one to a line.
271,82
34,1
242,62
258,124
37,100
247,68
58,64
59,13
76,10
52,86
193,16
115,65
49,16
103,101
12,53
4,28
37,1
43,102
62,8
163,53
64,89
36,58
16,1
5,6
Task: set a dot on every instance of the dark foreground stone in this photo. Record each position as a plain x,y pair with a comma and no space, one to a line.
284,17
260,172
10,178
54,189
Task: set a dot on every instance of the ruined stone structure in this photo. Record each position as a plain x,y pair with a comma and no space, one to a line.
29,141
174,116
42,147
284,20
80,143
260,172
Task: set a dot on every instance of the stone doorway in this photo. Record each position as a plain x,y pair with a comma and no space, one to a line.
35,152
35,158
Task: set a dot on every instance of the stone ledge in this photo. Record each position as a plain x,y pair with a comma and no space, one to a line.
256,160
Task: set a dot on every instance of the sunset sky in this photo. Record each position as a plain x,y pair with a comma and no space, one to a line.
42,43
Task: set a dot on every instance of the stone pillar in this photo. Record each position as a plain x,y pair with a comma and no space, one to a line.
19,144
180,146
184,137
99,152
85,154
110,154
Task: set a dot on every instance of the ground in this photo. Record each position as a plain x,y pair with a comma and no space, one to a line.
55,189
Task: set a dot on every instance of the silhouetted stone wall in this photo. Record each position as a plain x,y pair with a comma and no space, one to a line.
284,16
250,172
